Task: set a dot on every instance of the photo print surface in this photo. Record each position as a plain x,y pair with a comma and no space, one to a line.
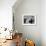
29,20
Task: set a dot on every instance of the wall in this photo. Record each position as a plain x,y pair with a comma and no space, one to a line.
43,22
29,7
6,13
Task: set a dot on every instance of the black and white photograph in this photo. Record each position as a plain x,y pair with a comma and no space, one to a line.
29,20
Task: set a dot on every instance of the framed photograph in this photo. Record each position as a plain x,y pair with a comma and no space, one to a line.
29,20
